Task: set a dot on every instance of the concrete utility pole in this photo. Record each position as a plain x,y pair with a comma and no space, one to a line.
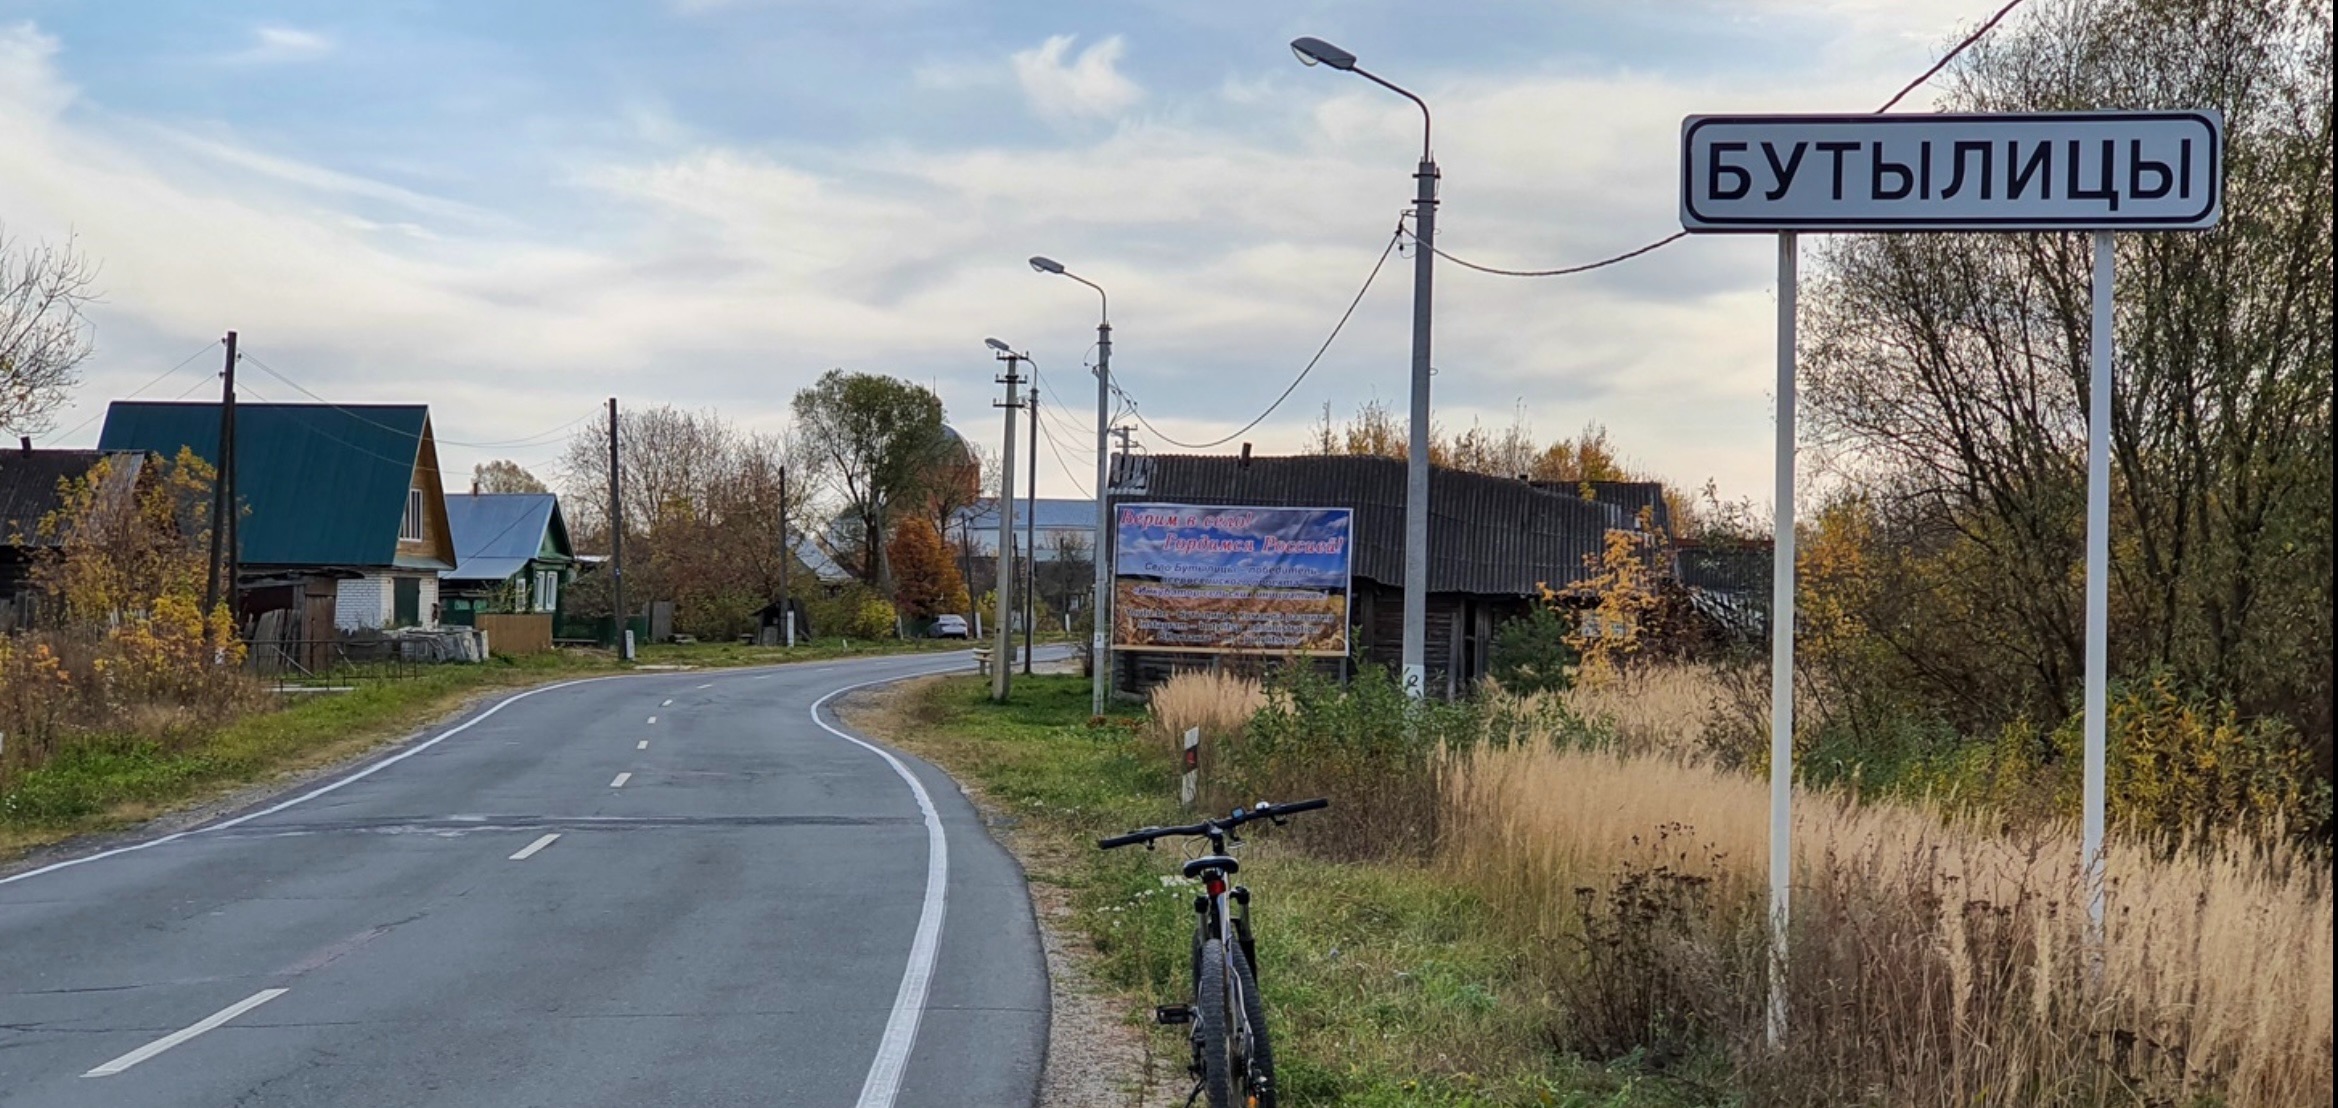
1031,534
1100,607
1002,666
617,539
1315,51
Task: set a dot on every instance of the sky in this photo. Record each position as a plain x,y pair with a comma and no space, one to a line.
513,211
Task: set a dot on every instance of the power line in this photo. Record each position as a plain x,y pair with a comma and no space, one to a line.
1060,463
1676,236
158,378
528,440
1385,251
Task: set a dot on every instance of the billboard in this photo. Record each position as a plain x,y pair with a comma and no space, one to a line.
1219,580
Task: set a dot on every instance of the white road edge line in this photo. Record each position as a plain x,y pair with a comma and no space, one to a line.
884,1080
312,794
619,783
208,1023
529,851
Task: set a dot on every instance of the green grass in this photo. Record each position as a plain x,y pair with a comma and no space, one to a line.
1385,986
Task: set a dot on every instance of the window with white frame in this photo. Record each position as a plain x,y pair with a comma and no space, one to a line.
547,590
411,526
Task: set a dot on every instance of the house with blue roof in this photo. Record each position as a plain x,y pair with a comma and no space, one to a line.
511,554
343,514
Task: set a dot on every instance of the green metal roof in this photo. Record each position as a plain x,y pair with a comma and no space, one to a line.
322,485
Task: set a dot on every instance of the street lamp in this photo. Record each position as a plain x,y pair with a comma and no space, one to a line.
1100,643
1315,51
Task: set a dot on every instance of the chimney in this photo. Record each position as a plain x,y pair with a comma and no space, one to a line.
1246,455
24,443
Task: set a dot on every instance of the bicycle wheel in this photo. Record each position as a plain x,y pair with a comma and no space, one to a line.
1213,1039
1258,1076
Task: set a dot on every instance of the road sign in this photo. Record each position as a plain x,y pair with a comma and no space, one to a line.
2063,171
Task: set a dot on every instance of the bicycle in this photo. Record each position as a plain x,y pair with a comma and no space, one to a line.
1231,1051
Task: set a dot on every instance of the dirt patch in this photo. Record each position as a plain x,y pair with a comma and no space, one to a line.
1096,1057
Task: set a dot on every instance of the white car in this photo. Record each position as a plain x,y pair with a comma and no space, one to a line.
948,627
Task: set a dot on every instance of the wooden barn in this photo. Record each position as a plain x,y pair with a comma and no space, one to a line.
1493,543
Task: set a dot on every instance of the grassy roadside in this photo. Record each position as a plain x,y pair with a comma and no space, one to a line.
1385,986
101,783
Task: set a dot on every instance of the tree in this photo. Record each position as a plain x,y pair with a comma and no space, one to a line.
927,582
43,335
1949,374
503,475
875,441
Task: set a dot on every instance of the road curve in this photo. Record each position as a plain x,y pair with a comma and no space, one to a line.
691,888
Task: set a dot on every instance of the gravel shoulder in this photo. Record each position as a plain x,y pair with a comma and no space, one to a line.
1096,1057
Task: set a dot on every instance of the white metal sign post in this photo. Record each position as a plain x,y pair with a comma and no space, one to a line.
2069,171
1190,782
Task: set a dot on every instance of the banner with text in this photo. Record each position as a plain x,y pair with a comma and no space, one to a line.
1231,580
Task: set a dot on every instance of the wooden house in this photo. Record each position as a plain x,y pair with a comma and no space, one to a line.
344,521
29,484
512,555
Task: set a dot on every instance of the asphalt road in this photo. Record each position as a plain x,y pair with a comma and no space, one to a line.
740,907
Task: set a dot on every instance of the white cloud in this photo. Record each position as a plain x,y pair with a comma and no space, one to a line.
716,273
274,43
1087,86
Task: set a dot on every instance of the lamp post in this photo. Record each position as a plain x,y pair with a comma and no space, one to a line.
1100,609
1315,51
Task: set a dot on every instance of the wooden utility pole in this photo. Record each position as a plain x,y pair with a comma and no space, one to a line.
616,537
222,492
1002,660
235,549
787,614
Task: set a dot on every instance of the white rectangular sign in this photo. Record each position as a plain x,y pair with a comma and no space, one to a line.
2071,171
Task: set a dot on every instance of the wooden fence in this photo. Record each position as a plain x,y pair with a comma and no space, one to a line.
517,634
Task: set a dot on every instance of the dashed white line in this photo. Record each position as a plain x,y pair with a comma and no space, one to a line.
708,685
667,704
208,1023
619,783
529,851
642,745
653,719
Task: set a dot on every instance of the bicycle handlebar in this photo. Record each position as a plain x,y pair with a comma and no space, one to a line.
1209,826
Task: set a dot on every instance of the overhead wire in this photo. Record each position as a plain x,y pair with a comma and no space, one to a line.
157,379
1564,271
1385,251
537,439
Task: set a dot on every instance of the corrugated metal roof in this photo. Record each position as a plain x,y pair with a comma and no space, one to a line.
1052,513
498,533
1487,535
322,485
28,487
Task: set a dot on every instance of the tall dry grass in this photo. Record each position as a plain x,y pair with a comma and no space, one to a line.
1934,960
1221,704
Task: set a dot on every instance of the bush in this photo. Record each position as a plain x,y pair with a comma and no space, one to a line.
852,612
1367,746
1531,653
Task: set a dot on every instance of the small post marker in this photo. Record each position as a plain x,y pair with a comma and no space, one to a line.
1192,762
